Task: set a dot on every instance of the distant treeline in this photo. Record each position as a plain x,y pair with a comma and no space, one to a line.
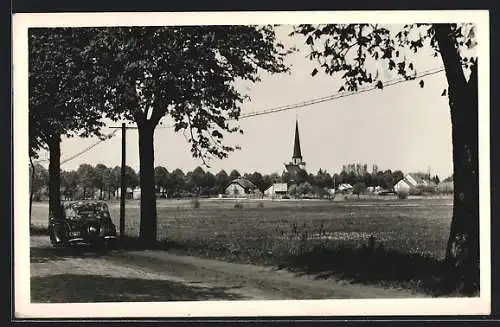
88,180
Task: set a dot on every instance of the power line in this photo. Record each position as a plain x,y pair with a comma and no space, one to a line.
332,97
88,148
328,98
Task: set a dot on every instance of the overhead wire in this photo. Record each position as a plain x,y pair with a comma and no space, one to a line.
301,104
333,96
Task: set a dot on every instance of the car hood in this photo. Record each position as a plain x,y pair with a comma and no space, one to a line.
86,221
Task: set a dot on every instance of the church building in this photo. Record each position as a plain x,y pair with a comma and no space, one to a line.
297,165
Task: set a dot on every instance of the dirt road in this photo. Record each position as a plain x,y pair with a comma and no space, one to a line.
123,276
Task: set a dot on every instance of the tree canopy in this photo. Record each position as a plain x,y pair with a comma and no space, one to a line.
62,97
354,50
187,73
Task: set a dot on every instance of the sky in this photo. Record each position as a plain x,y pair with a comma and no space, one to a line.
403,127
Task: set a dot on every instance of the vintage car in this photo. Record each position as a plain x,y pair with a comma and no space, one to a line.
83,222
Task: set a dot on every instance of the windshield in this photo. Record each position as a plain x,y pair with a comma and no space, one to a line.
91,210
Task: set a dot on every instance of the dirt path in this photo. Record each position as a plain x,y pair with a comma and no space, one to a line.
79,276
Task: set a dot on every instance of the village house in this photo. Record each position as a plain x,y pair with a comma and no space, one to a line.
241,187
414,180
402,186
277,190
131,193
344,188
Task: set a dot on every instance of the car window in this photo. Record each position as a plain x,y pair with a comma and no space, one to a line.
86,211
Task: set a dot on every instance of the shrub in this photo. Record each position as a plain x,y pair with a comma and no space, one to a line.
402,195
195,203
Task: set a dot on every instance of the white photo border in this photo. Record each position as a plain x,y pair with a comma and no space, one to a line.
359,307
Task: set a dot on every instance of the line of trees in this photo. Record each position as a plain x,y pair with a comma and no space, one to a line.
103,182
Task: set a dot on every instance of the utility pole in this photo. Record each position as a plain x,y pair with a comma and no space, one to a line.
123,182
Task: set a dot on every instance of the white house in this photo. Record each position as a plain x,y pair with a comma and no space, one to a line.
129,194
136,193
344,187
276,190
402,186
241,187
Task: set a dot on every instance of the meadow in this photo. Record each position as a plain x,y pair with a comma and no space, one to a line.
413,226
364,240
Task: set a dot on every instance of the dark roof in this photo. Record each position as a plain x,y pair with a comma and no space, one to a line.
243,182
296,146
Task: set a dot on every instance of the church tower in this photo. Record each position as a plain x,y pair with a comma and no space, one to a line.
297,164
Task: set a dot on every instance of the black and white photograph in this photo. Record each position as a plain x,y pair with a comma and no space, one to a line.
251,164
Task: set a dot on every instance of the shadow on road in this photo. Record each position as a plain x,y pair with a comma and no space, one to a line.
48,254
73,288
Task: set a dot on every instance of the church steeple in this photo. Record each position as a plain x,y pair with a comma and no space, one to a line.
297,154
296,165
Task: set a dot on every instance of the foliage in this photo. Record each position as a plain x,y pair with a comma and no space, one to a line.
234,174
62,98
359,188
40,181
186,73
83,182
177,183
355,49
221,181
403,194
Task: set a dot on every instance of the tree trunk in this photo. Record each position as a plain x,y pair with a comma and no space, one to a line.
462,252
55,176
148,226
32,190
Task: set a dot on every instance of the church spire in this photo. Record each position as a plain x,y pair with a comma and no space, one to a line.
297,154
296,165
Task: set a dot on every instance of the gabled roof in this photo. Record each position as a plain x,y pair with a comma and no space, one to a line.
243,182
344,186
416,177
277,187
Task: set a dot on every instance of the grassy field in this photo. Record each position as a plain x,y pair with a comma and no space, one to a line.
366,240
272,227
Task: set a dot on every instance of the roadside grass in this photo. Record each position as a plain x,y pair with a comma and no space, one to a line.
391,243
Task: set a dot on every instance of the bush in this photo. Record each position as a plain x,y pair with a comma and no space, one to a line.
195,203
402,195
